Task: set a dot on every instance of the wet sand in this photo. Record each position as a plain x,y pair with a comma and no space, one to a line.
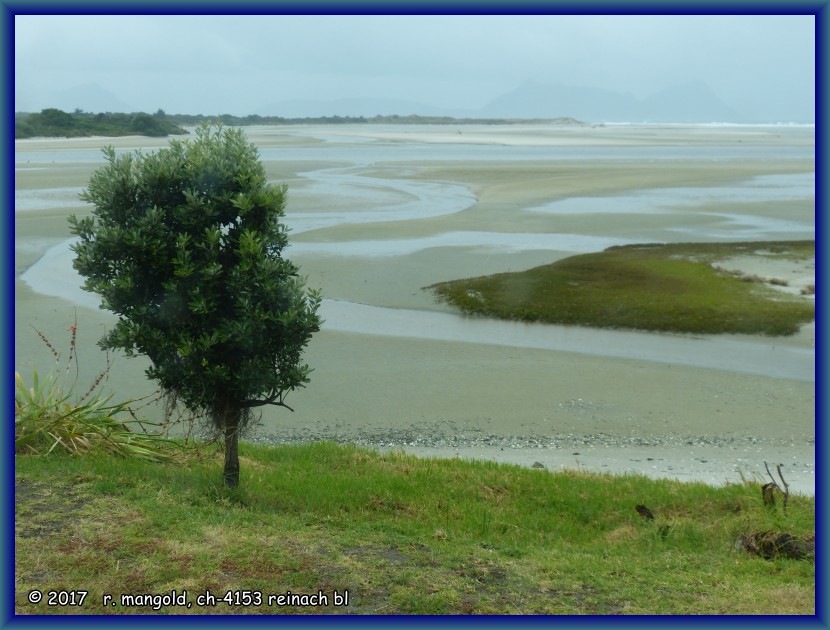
467,399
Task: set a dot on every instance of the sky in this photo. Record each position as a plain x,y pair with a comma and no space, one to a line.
762,65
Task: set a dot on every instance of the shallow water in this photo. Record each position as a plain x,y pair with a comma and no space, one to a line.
363,199
746,227
781,187
670,202
53,275
507,242
27,200
746,356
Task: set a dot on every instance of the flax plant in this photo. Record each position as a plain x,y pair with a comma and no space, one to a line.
49,415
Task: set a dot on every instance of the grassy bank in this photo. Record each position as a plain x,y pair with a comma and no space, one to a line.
400,534
672,287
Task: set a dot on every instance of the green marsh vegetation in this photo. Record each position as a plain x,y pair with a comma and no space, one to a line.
658,287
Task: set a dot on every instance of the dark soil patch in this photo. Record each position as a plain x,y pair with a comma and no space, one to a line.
42,509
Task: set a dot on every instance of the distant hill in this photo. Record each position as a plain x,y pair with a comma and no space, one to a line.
352,107
690,102
90,97
532,99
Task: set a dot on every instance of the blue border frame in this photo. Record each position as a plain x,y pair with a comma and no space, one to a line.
7,319
822,381
407,7
10,8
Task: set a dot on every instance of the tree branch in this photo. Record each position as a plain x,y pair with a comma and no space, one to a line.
275,399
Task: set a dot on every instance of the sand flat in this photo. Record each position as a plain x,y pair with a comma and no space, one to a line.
398,392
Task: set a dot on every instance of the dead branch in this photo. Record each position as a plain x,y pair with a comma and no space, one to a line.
767,490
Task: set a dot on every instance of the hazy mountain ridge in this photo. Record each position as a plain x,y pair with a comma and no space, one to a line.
90,97
366,107
690,102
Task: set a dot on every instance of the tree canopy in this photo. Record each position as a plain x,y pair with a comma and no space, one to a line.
186,246
57,123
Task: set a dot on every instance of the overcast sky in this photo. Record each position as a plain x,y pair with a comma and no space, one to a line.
238,64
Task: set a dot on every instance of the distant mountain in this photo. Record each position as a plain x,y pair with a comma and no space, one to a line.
366,107
89,98
692,102
537,100
689,102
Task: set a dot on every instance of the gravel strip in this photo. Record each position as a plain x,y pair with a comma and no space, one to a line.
446,437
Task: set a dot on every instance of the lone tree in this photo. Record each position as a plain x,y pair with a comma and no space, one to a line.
185,246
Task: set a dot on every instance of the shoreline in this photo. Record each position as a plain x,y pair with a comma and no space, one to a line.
714,466
713,460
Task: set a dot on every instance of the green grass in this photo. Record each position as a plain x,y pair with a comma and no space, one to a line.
402,535
675,288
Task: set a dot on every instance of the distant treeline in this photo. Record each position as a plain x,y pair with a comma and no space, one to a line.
412,119
56,123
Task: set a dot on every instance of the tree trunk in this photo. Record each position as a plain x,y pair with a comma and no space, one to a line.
232,419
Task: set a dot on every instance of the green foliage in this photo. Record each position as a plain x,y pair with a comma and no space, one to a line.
56,123
46,418
185,246
648,287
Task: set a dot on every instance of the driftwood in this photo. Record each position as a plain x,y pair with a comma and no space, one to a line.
771,545
768,544
768,490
